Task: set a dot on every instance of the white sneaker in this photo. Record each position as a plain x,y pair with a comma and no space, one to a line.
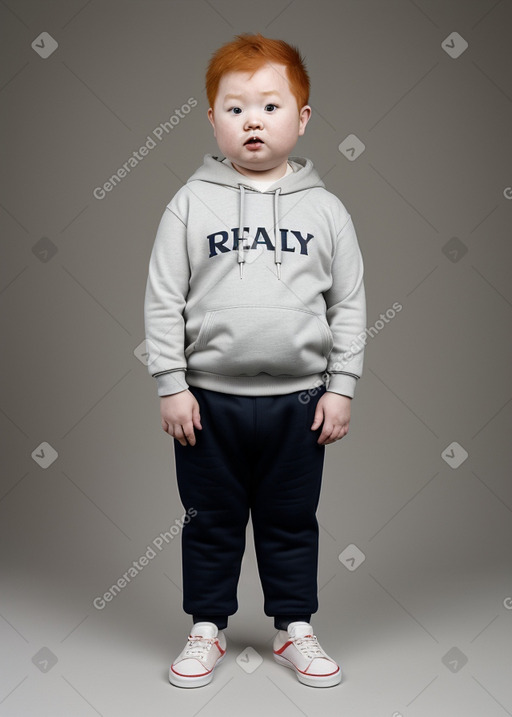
298,649
204,650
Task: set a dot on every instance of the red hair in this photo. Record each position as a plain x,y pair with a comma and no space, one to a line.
248,53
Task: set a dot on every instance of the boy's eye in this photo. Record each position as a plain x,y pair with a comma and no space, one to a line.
237,110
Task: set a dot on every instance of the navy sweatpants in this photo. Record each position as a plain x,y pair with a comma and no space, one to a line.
254,455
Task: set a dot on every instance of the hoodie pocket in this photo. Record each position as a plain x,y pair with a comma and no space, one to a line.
248,340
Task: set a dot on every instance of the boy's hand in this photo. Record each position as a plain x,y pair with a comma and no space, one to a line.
180,414
334,410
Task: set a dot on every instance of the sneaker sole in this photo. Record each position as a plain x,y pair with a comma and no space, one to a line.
182,681
309,680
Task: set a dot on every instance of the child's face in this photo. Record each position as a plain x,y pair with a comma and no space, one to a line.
264,107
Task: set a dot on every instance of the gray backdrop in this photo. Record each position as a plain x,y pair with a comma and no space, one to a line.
415,569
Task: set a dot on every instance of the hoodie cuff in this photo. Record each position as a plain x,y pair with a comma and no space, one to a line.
342,383
172,382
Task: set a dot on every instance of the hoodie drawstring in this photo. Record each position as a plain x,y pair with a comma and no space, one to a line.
277,244
241,237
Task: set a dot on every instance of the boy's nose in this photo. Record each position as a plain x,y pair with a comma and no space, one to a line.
254,122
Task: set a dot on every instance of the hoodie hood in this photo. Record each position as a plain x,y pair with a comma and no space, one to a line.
303,177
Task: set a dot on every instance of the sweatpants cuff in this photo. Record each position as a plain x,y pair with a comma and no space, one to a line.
281,622
220,620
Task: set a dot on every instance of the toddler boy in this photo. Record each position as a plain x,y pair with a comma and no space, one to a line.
254,298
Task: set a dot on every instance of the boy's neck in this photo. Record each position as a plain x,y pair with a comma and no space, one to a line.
268,175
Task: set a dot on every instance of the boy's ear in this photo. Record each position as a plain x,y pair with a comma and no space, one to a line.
304,117
210,117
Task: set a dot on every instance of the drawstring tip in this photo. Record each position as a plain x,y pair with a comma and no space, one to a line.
278,270
241,265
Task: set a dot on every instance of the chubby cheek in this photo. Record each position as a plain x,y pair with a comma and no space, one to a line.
221,135
227,142
227,133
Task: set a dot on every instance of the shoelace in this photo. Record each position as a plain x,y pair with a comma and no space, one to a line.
198,646
308,646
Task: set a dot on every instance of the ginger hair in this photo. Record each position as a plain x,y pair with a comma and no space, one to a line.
248,53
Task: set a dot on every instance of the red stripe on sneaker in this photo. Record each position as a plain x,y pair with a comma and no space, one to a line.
283,648
309,674
315,674
220,648
182,674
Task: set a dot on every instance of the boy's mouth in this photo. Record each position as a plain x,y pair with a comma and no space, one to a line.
254,140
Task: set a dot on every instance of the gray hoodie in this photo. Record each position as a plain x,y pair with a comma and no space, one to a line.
276,308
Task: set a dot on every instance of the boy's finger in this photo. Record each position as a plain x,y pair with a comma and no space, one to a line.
177,433
188,430
326,433
319,416
196,419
